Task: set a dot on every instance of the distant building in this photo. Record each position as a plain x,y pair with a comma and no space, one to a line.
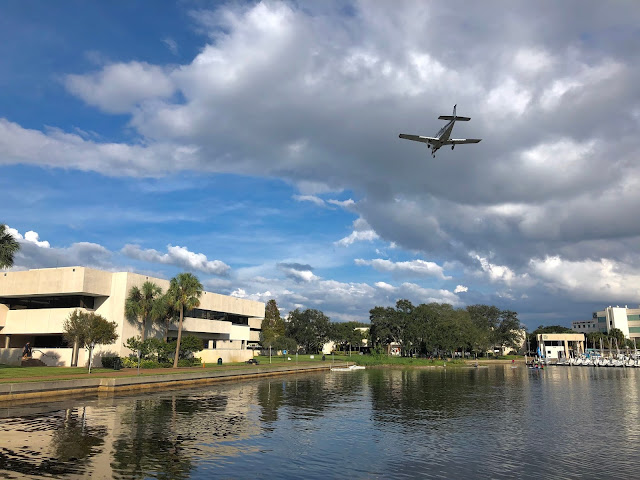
586,326
623,318
521,338
560,345
35,303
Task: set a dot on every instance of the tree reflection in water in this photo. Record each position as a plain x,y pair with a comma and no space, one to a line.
73,442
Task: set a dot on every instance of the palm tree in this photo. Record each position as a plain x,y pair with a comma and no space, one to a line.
144,305
8,247
184,293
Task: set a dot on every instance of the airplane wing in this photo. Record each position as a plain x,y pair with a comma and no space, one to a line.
418,138
456,141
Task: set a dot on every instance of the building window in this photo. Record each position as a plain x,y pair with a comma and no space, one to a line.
64,301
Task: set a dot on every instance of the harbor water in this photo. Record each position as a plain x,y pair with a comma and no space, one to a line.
486,422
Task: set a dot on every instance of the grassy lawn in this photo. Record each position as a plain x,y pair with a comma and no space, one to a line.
7,371
30,374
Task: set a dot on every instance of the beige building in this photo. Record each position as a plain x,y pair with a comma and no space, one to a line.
35,303
623,318
560,345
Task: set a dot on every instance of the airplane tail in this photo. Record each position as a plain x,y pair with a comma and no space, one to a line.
454,116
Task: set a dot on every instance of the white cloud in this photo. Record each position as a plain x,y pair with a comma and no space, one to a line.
385,286
362,232
30,236
342,203
171,45
309,198
119,87
298,272
461,289
502,273
593,280
178,256
415,267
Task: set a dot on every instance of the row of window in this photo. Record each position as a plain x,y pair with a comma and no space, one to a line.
66,301
590,325
83,301
213,315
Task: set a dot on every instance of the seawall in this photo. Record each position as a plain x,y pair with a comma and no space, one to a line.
42,390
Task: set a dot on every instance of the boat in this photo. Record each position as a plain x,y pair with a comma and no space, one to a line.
350,368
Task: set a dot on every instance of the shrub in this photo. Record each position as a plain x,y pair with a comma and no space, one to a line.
149,364
110,362
189,362
130,362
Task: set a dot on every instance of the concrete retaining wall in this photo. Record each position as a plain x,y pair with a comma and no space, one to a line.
38,391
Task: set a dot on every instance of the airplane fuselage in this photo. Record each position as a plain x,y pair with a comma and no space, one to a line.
443,137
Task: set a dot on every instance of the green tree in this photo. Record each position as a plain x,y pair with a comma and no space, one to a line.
616,335
486,318
273,324
595,339
9,246
88,329
346,334
285,343
184,292
310,329
145,305
509,330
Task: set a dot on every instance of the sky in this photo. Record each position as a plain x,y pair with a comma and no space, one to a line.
256,146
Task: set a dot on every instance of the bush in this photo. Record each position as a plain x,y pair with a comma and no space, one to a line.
130,362
149,364
111,362
189,362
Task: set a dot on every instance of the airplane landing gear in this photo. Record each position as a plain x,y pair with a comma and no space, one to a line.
452,147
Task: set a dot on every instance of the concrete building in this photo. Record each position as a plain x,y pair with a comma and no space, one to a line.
586,326
560,345
35,303
623,318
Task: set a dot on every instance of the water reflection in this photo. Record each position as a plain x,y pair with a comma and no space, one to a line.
479,423
59,443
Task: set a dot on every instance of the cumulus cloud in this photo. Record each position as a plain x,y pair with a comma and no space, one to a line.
119,87
602,279
361,232
461,289
413,267
30,237
321,102
298,272
178,256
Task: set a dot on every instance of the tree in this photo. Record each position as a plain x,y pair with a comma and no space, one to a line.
509,330
285,343
8,247
145,305
184,292
617,335
487,319
310,329
273,324
346,334
88,329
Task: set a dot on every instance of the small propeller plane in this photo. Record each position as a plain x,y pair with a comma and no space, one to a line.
442,137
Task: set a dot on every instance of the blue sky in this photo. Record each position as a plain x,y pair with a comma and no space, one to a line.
256,145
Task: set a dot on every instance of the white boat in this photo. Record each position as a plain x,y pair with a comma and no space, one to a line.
347,369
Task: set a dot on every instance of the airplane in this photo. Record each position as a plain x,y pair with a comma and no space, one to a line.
442,137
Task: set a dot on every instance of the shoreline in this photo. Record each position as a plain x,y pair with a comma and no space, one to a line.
123,382
36,391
